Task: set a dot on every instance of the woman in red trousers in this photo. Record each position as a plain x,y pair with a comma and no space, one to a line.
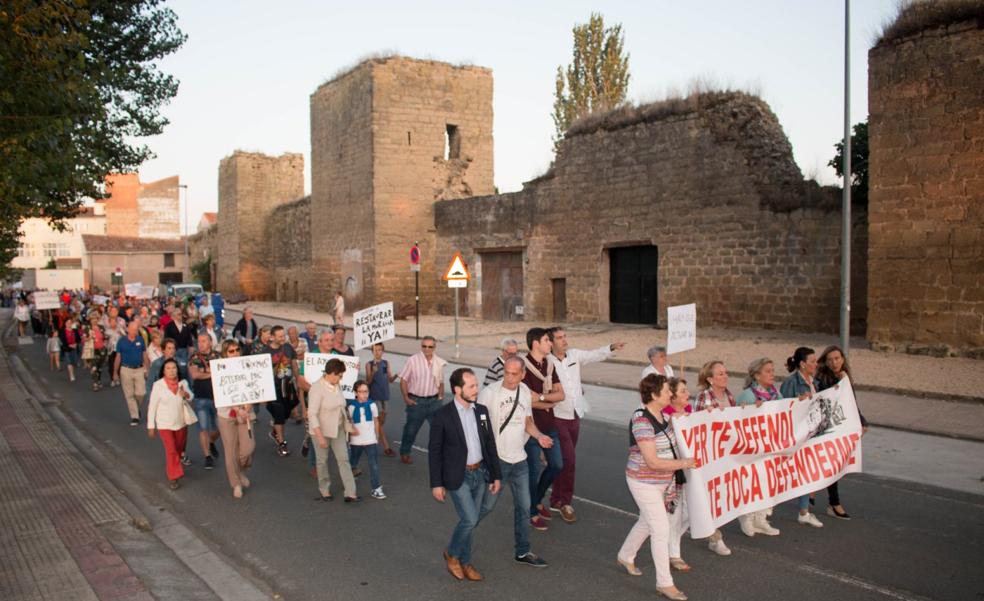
169,414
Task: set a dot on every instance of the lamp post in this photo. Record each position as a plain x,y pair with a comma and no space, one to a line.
845,308
187,256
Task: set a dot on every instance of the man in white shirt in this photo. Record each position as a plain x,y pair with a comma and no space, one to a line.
567,364
510,406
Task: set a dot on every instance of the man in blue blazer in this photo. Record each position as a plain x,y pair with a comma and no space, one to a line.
464,464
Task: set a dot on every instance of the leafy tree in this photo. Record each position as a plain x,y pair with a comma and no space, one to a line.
859,163
597,79
78,82
201,272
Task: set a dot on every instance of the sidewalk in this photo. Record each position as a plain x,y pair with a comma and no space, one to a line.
65,531
610,387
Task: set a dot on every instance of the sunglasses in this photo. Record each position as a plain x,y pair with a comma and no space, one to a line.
426,346
233,349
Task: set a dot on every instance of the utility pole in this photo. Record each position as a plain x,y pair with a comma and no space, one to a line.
187,254
845,308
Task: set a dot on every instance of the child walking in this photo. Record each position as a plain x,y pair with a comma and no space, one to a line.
380,377
54,349
364,413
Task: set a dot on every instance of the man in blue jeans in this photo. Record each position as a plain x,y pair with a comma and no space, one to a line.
464,464
510,410
422,386
544,384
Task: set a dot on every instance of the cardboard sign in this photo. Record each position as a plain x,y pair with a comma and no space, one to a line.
751,458
242,380
132,289
46,300
314,369
375,324
681,332
100,299
144,292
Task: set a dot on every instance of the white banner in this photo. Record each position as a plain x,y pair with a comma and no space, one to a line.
751,458
143,292
314,368
375,324
242,380
132,289
46,300
681,328
100,299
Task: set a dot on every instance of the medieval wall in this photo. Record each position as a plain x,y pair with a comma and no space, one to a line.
926,205
251,187
710,181
381,156
291,251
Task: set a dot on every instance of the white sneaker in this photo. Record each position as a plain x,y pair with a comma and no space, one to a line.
377,493
748,525
719,547
763,526
810,520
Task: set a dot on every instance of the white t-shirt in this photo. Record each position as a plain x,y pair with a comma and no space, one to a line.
667,371
367,430
499,401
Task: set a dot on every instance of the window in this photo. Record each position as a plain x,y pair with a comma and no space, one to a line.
50,249
168,259
452,142
63,250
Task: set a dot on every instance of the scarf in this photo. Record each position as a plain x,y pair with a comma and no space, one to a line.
172,385
360,410
765,394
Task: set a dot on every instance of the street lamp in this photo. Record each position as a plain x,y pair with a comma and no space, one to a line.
845,308
187,257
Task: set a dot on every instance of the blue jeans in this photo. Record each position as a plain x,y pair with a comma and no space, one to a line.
516,475
468,500
208,419
803,502
555,463
416,415
372,452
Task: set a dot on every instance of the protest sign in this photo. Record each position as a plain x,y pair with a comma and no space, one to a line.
242,380
314,368
132,289
100,299
751,458
143,292
681,328
46,300
375,324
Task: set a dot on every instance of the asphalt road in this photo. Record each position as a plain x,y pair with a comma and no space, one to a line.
906,542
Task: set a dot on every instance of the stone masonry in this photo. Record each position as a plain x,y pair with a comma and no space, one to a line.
251,187
926,138
710,180
389,138
147,210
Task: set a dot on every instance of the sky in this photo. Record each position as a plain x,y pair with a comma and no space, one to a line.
249,67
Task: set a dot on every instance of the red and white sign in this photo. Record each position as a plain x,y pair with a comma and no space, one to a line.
752,458
456,275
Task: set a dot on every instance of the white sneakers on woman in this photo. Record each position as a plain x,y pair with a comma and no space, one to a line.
810,520
719,547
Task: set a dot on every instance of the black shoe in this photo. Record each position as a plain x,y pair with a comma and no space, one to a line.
305,448
134,422
213,450
531,560
209,462
355,499
282,449
185,459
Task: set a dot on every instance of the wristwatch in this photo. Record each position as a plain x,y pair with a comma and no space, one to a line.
542,398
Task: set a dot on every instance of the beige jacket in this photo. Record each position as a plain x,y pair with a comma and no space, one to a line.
326,408
166,409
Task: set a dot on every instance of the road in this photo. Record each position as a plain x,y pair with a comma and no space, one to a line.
908,541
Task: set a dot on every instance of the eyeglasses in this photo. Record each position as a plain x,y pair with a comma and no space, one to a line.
233,349
426,346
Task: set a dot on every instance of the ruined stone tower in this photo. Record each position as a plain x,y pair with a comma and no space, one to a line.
251,186
389,138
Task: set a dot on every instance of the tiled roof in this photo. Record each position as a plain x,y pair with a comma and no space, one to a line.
117,244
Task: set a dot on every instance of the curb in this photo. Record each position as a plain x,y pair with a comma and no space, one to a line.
919,394
217,571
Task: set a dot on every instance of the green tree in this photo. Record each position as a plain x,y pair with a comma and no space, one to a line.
597,79
201,272
859,163
78,83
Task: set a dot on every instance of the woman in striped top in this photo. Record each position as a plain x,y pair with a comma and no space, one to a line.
649,474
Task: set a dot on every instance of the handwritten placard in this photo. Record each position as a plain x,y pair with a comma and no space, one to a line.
242,380
46,300
375,324
132,289
314,368
100,299
144,292
681,334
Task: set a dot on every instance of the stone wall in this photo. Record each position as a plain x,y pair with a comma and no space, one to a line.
291,250
251,187
926,138
378,165
710,180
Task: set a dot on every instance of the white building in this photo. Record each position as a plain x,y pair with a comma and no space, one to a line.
40,243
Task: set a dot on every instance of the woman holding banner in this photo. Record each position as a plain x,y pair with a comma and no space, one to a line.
680,519
800,384
654,476
833,367
714,394
236,430
760,386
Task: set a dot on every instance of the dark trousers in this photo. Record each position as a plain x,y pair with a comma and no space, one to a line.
563,485
416,416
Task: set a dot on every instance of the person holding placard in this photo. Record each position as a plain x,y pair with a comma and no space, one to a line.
236,429
169,414
653,473
802,366
760,386
329,425
380,377
284,361
714,394
657,362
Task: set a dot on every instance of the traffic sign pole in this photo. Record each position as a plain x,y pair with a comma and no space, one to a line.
457,349
415,267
